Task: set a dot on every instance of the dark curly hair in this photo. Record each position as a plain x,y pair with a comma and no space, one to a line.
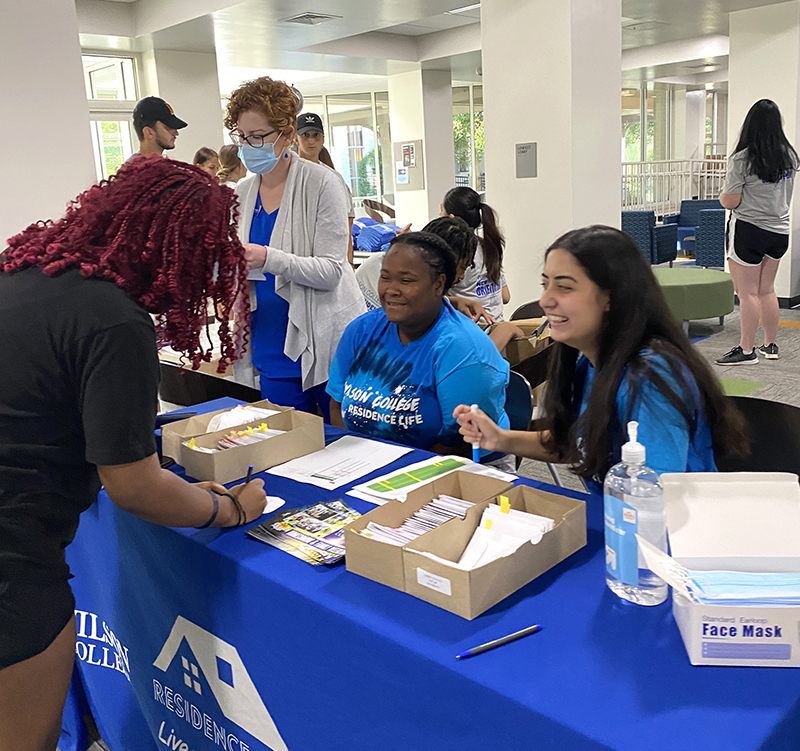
164,232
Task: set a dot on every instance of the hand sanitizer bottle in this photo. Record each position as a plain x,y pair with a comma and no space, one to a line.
634,504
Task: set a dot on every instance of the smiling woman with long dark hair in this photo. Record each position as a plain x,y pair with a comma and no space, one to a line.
619,355
400,370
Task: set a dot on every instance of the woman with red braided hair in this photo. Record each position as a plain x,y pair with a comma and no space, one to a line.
79,398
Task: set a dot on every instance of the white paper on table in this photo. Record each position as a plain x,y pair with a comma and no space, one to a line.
464,465
273,504
368,497
340,463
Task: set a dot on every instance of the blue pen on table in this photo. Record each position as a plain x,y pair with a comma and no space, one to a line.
476,445
249,474
499,642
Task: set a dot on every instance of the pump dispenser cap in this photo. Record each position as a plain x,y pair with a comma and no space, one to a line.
633,451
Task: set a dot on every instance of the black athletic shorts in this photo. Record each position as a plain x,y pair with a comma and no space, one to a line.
751,244
31,617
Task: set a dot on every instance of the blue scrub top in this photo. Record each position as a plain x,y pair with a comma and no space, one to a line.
269,321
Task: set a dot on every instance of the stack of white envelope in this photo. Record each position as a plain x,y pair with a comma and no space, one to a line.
501,532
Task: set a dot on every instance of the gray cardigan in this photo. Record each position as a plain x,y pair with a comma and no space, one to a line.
308,256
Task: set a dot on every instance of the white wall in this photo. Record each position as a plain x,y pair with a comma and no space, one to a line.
189,82
695,124
421,107
764,63
45,115
561,91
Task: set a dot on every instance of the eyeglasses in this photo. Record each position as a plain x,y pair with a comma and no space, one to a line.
255,141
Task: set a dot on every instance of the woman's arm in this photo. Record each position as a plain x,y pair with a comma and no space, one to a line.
324,267
479,427
730,200
160,496
506,292
336,414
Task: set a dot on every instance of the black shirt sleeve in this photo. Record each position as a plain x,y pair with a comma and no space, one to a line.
119,392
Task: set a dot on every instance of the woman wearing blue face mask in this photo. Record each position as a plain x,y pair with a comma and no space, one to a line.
293,225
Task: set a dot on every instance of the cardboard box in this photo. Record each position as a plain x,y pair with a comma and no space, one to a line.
518,350
383,562
736,521
174,433
305,434
470,593
465,593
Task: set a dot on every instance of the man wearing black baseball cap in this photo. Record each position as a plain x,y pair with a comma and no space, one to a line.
156,126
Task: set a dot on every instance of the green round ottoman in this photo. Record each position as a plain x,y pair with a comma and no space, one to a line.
693,294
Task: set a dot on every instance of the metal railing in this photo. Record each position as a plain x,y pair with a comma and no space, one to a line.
661,186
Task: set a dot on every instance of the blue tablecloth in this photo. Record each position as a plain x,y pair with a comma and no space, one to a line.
216,641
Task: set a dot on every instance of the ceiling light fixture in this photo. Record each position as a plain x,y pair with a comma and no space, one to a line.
464,9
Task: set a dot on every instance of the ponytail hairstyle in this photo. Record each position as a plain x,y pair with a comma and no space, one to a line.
466,204
163,232
637,319
229,162
770,156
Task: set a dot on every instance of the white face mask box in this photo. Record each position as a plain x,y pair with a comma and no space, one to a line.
735,521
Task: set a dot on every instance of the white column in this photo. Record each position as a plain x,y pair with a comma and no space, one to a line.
45,113
695,124
551,73
189,82
764,63
421,107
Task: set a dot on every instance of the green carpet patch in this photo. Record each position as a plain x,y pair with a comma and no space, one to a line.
739,386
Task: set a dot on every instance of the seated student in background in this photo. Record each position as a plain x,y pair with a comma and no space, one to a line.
400,371
620,355
464,244
484,281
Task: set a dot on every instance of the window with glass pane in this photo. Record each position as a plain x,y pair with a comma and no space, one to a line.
352,142
109,78
477,120
384,147
462,135
631,125
112,145
658,94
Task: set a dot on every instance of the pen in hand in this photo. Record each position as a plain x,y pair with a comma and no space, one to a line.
249,474
476,445
498,642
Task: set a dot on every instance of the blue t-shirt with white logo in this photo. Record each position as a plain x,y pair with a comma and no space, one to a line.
663,431
407,393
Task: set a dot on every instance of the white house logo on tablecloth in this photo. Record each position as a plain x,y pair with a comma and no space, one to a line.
215,664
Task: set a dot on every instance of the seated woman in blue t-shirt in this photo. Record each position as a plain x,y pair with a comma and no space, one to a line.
620,355
400,371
